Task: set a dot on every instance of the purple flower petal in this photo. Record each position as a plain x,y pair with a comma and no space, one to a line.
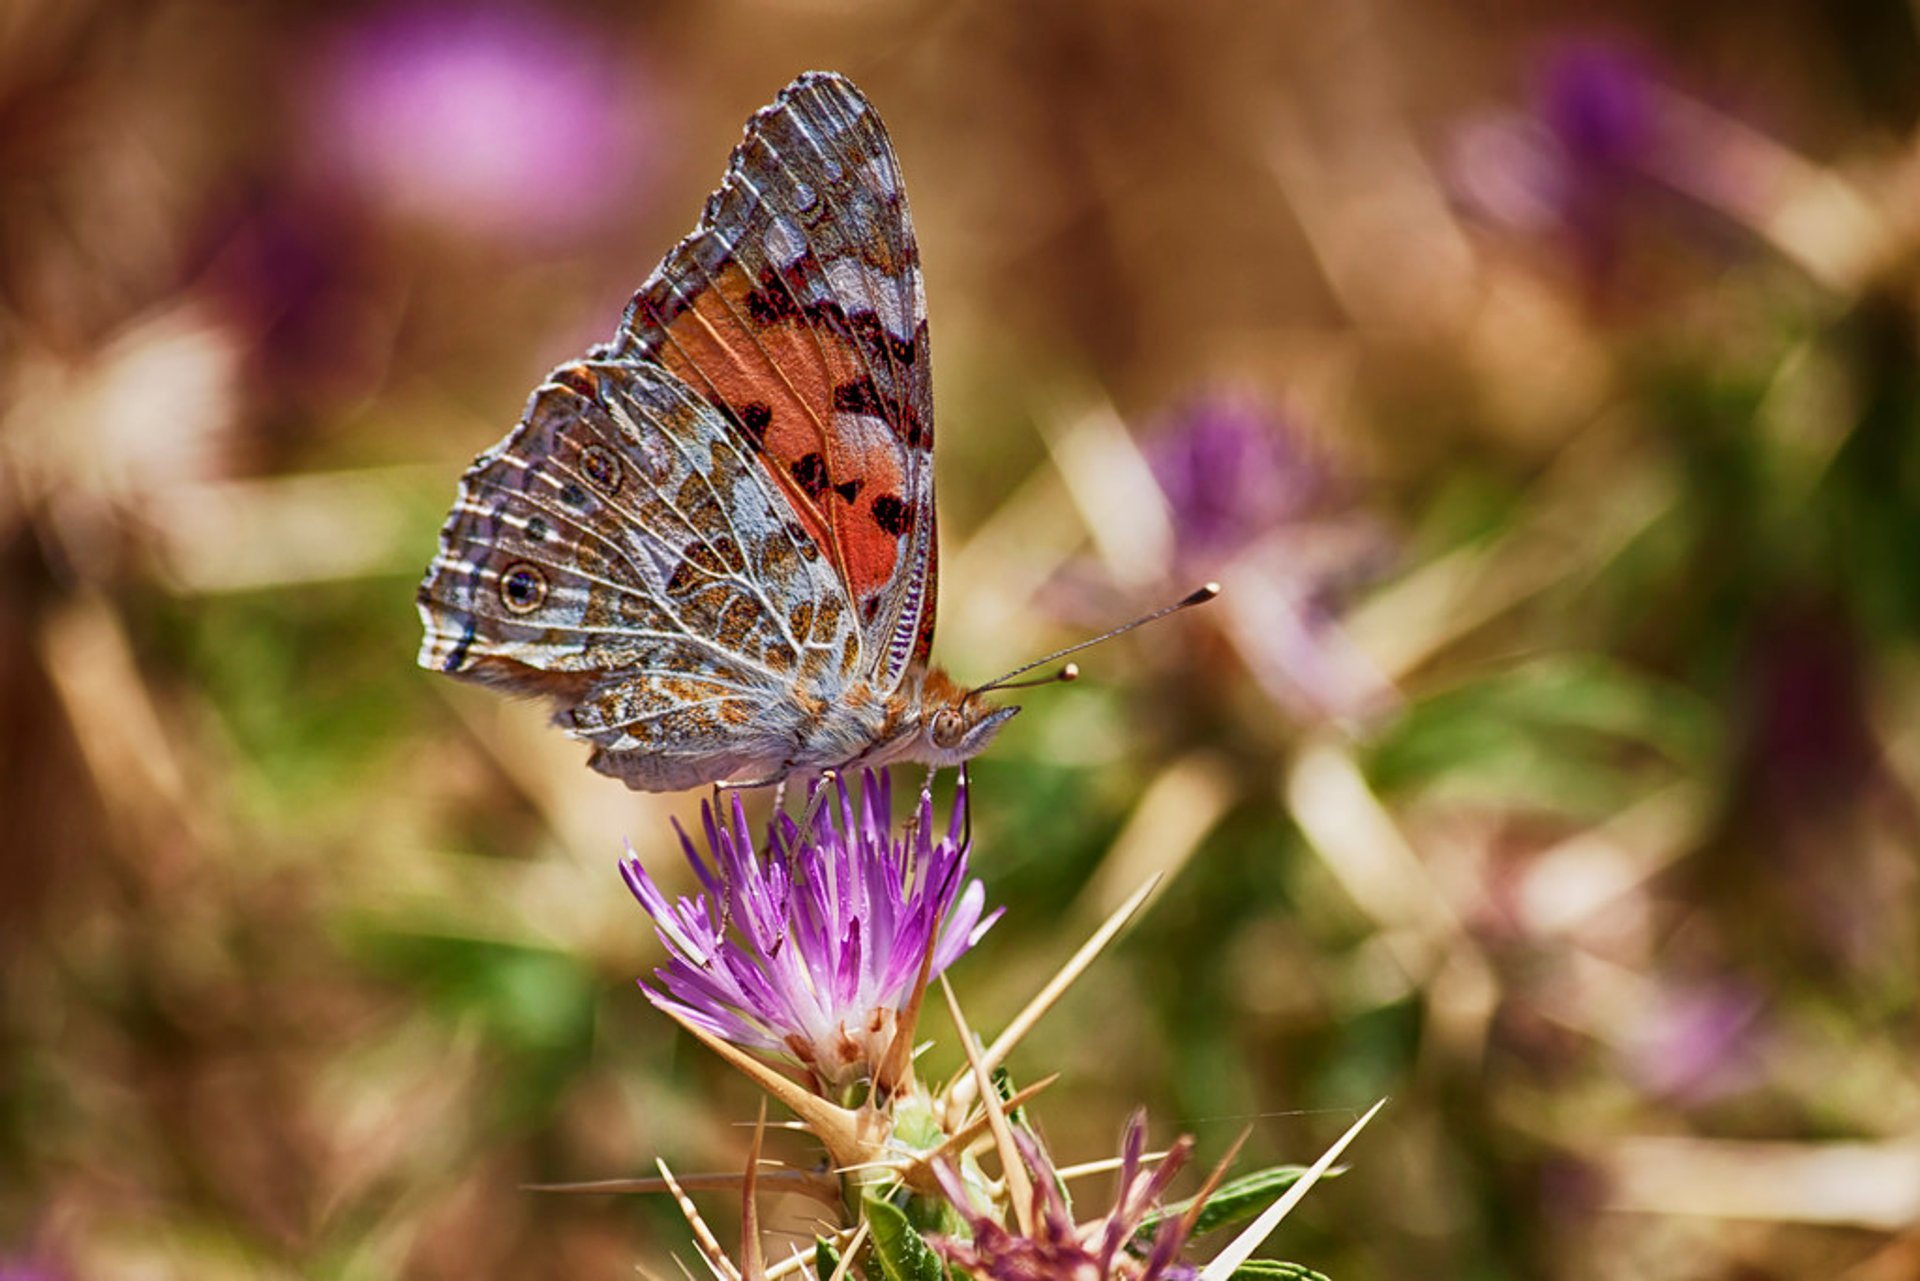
1232,469
812,950
1057,1247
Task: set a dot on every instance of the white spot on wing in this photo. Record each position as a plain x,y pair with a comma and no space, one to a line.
864,434
852,279
880,177
785,243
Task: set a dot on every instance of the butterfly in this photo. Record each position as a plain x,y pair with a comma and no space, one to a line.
711,541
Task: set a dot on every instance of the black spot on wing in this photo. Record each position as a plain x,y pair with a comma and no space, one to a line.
754,418
858,397
891,514
810,471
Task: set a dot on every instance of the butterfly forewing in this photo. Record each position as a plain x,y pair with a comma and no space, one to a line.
796,308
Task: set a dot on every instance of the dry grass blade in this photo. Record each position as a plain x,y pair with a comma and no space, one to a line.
895,1072
1120,502
1105,1165
804,1182
753,1264
847,1242
847,1254
1199,1199
1360,842
1013,1169
959,1092
702,1234
961,1137
1874,1186
1174,814
1241,1248
89,658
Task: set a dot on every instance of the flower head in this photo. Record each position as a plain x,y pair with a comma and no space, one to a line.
1233,469
1576,161
497,118
1698,1042
1257,505
813,950
1058,1247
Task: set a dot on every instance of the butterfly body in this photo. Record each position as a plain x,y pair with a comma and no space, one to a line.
711,542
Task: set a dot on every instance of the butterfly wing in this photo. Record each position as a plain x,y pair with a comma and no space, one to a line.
796,310
623,552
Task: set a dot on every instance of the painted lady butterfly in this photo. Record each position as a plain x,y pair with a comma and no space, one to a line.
711,541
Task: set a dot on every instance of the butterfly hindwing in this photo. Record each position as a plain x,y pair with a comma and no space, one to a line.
796,310
622,552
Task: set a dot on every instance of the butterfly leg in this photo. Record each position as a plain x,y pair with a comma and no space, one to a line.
819,794
748,784
966,803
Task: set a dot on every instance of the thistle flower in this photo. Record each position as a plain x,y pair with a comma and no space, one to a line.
1233,470
1052,1244
1699,1042
813,952
461,114
1578,164
1258,508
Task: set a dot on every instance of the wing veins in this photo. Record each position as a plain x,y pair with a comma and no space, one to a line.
750,472
902,380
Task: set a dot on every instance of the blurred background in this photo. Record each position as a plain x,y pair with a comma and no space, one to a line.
1540,380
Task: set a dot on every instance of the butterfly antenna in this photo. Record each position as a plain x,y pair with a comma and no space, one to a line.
1065,676
1199,596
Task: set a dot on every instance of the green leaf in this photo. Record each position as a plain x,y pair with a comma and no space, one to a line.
1003,1086
826,1259
904,1254
1275,1270
1232,1201
1570,732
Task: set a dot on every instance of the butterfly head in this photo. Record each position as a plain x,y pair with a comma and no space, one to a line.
956,723
961,729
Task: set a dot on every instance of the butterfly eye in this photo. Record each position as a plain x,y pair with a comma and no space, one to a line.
947,727
522,588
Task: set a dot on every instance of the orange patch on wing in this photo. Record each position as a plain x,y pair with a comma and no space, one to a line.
776,377
870,552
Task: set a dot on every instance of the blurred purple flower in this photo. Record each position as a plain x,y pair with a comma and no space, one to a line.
27,1270
1607,149
1596,99
1232,470
1697,1042
503,120
1255,507
1058,1247
813,950
1575,162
